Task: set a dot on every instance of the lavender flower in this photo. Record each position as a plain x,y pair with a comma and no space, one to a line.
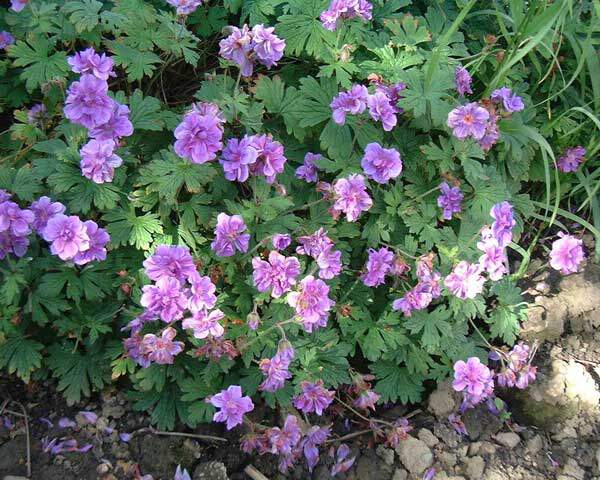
233,406
352,102
37,114
161,350
229,236
571,159
367,399
202,293
278,274
418,298
237,48
465,281
342,462
510,101
380,109
329,262
281,241
237,157
267,46
198,136
494,257
377,267
399,432
474,379
18,5
351,196
89,62
458,424
314,244
469,120
462,81
283,440
314,398
179,473
271,159
205,323
6,39
185,7
449,200
345,9
97,244
504,222
88,103
314,437
276,368
166,299
98,160
381,164
170,261
68,236
309,170
492,133
89,418
311,303
117,126
10,243
567,254
15,220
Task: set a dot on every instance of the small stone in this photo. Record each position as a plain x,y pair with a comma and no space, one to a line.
462,451
102,468
487,448
508,439
113,411
598,458
415,455
448,459
429,438
474,448
563,433
211,471
441,401
534,444
572,470
386,454
400,474
475,467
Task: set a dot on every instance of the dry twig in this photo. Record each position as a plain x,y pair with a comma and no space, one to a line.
254,474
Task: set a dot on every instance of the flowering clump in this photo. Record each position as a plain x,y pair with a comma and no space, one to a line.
98,160
462,81
474,379
351,197
311,302
346,9
229,236
450,200
571,159
567,254
233,406
198,136
314,398
185,7
381,164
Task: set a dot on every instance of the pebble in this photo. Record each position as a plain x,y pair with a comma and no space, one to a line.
571,471
474,448
598,458
386,454
534,444
487,448
508,439
475,467
400,474
429,438
566,432
448,459
441,401
415,455
211,471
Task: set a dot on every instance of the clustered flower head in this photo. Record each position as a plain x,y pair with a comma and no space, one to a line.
185,7
276,369
379,264
381,164
308,171
424,292
474,379
278,274
198,136
230,236
517,370
351,197
450,200
314,397
567,254
245,47
232,406
258,155
311,302
6,39
462,81
344,10
571,159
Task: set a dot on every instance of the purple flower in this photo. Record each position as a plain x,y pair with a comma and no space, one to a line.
468,120
202,293
271,159
314,437
449,200
311,302
68,236
88,103
492,134
161,350
309,170
399,432
381,109
185,7
166,299
117,126
89,418
98,160
97,244
276,368
278,274
233,406
329,262
510,101
198,136
18,5
314,398
88,61
15,220
134,348
237,157
494,258
229,235
179,473
10,243
392,93
377,267
170,261
37,114
267,46
281,241
204,324
567,254
462,81
125,437
458,424
571,159
6,39
237,47
4,196
314,244
352,102
381,164
351,196
66,423
367,399
342,462
418,298
283,440
465,281
345,9
504,222
474,379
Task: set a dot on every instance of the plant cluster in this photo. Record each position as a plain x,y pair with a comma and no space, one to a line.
327,206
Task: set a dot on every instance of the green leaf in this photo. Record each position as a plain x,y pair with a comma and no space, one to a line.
128,228
20,355
257,11
84,14
136,63
431,325
396,383
408,32
145,112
